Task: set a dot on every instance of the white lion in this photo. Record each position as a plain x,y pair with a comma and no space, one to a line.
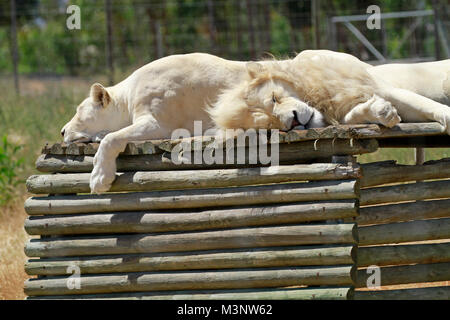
175,91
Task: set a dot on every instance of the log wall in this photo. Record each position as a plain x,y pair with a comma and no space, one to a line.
404,230
310,228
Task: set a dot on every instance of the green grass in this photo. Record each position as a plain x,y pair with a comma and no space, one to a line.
10,164
37,116
403,155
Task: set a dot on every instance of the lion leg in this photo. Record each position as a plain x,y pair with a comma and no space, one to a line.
104,171
376,110
413,107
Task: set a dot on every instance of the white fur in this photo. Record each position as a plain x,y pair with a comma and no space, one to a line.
172,92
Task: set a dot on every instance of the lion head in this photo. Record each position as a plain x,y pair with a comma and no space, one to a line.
95,117
266,100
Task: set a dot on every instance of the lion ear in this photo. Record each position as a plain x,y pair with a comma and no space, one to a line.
100,95
255,69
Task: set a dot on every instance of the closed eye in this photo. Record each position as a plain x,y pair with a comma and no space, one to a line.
274,98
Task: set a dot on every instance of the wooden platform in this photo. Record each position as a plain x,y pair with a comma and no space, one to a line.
311,227
400,134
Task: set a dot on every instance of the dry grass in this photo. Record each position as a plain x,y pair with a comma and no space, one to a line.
12,256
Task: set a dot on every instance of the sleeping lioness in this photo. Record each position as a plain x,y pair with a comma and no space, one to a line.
316,88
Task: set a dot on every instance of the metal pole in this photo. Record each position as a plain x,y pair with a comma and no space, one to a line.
14,50
109,48
436,29
315,10
251,29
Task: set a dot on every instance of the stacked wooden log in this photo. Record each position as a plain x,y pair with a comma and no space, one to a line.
404,208
172,232
243,230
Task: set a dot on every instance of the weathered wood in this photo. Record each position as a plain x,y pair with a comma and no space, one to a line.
132,148
191,241
419,210
192,179
406,192
194,198
421,129
324,293
431,293
196,280
385,172
362,131
292,153
189,220
407,274
218,259
403,254
421,230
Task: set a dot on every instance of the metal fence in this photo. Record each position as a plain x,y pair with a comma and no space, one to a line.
115,36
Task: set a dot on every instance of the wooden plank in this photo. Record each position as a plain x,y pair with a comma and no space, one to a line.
132,148
292,235
324,293
406,192
431,293
421,230
196,280
192,179
198,198
196,260
75,149
292,153
421,129
385,172
407,274
403,254
419,210
361,131
189,220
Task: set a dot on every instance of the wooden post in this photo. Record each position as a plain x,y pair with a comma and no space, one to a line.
292,235
14,49
292,256
420,156
179,280
109,47
434,3
325,293
266,25
251,29
315,10
238,8
212,26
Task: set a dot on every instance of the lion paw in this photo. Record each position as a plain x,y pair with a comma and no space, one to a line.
102,176
444,120
385,113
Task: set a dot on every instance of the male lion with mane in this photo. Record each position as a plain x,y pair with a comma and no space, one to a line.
315,89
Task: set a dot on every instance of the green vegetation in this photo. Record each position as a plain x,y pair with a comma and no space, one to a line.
36,117
225,28
9,165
